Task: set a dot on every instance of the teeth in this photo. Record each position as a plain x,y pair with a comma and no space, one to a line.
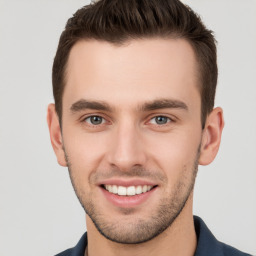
114,189
110,189
127,191
138,190
130,191
121,191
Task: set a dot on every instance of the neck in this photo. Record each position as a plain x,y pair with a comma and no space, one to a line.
179,239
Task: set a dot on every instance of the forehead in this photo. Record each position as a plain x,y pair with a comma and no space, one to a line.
128,74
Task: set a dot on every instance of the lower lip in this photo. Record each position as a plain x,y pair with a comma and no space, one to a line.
127,201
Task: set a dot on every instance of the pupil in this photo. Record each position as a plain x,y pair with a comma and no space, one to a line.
96,120
161,120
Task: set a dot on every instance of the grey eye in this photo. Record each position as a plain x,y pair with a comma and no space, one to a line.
160,120
94,120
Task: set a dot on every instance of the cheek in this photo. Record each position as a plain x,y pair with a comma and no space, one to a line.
84,151
174,153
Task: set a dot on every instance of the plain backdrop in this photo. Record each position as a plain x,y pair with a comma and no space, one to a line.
39,212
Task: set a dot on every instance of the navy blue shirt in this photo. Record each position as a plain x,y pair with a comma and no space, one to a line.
207,244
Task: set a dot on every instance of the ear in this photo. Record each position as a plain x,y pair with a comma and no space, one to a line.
55,134
211,136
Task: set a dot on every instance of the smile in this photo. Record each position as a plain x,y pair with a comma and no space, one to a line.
128,194
128,191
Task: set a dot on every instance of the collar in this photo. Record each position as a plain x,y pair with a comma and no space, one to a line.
208,245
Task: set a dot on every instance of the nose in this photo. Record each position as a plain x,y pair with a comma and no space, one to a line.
126,149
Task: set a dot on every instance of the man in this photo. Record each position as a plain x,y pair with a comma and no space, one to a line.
134,85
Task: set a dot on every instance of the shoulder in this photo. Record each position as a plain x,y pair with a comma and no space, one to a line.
208,245
78,250
231,251
67,252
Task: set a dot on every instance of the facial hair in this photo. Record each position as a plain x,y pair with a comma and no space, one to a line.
130,229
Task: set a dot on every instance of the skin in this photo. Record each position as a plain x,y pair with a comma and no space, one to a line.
128,144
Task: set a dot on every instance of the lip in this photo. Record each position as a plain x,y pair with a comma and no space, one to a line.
127,201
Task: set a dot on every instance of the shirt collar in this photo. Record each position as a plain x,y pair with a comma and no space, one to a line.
207,244
79,249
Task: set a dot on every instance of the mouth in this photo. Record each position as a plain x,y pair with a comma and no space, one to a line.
128,191
128,195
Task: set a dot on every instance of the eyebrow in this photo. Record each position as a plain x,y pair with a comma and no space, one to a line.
163,103
83,104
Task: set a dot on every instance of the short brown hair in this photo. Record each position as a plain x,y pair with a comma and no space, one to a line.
117,21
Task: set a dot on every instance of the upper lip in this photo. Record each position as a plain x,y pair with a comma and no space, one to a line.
126,183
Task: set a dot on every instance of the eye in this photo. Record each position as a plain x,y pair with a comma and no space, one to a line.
160,120
95,120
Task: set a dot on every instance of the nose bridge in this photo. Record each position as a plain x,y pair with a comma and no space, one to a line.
126,146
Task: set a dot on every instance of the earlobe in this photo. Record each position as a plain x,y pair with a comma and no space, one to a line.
211,136
55,134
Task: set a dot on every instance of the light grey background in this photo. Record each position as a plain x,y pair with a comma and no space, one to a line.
39,212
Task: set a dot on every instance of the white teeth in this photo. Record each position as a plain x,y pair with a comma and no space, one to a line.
114,189
121,191
127,191
138,190
145,188
130,191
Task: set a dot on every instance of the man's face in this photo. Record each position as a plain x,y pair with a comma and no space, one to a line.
131,133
